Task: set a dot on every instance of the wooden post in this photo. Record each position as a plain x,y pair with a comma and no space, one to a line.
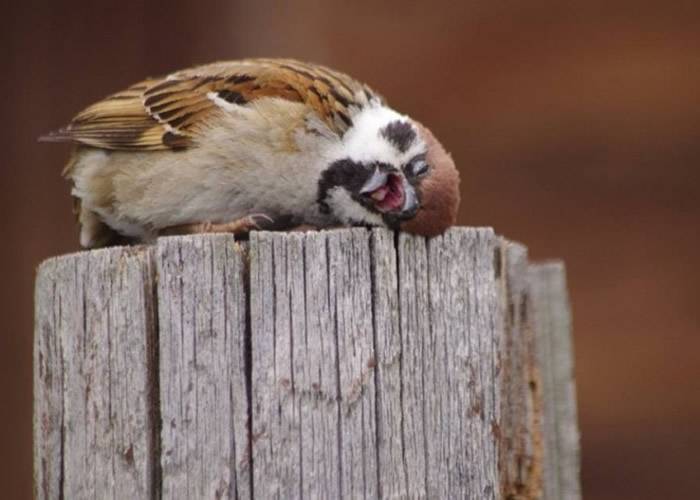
347,363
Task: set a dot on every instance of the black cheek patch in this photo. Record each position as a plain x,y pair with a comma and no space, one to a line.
346,173
400,134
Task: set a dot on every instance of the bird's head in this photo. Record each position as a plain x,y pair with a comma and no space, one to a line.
379,172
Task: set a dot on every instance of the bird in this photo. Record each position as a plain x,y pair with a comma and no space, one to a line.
235,146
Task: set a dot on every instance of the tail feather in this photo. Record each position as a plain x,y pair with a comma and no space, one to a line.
61,135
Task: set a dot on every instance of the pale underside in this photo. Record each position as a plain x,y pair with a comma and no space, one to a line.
262,163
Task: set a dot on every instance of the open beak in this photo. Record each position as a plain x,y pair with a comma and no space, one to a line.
391,193
375,182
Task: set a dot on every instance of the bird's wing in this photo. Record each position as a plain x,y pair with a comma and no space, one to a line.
168,113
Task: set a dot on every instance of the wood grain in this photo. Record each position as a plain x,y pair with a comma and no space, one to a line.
346,363
203,399
392,470
313,391
521,407
552,324
461,383
93,376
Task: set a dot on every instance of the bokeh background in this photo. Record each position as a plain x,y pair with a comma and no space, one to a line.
576,127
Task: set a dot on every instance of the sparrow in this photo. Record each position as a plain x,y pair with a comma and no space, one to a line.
256,143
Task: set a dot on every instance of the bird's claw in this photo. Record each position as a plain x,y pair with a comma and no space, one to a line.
237,227
256,224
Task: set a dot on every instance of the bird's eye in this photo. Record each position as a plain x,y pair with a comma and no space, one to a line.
419,167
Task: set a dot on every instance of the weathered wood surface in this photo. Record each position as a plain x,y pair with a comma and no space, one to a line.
93,381
552,323
347,363
202,379
521,409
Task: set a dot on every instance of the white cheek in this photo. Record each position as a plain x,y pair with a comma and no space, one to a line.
348,210
417,148
363,142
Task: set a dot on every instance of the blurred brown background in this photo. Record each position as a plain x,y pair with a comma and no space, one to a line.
576,126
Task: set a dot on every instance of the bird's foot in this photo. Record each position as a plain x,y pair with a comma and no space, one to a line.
238,227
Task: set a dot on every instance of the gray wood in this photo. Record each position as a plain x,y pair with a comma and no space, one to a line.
552,322
93,376
276,265
393,471
312,379
461,353
48,380
436,325
350,286
345,363
203,401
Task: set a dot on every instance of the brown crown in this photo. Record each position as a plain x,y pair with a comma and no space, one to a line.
439,191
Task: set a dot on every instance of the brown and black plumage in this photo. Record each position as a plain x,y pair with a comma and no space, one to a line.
210,146
167,113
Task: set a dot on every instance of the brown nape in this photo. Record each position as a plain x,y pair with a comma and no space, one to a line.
439,191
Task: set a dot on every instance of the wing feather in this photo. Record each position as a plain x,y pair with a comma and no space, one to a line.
169,113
